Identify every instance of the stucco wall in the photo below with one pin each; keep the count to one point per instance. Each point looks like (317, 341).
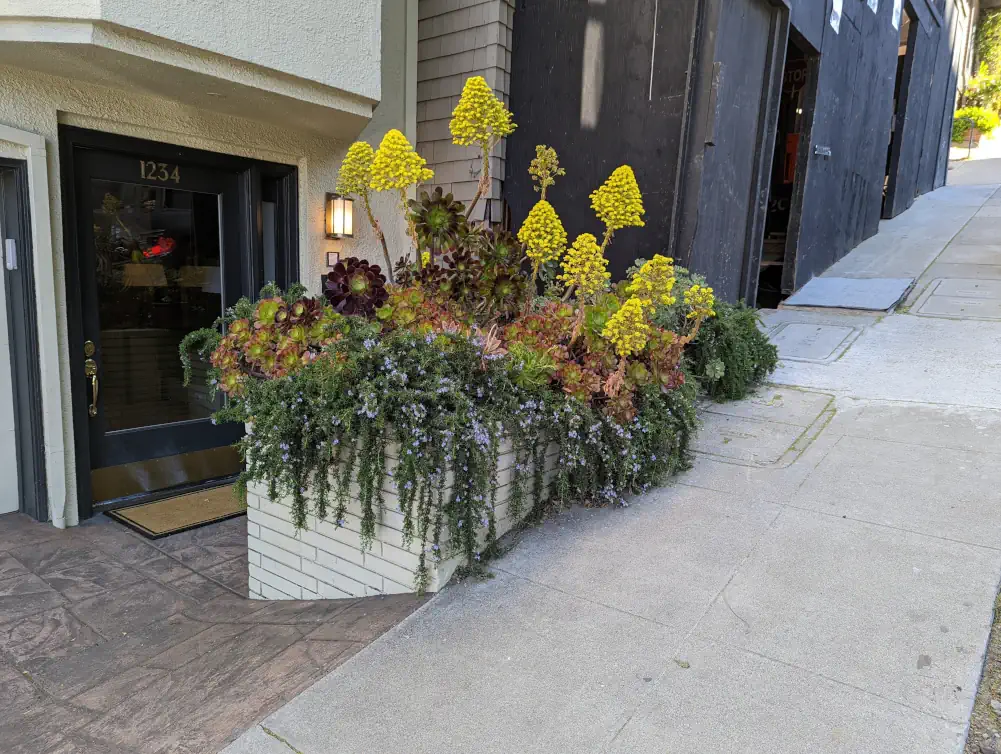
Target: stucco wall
(39, 103)
(333, 42)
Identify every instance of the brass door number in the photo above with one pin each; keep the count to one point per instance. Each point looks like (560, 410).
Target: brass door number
(151, 170)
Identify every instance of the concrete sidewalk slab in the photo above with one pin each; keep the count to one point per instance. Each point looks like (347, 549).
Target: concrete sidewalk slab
(580, 552)
(900, 615)
(503, 665)
(730, 700)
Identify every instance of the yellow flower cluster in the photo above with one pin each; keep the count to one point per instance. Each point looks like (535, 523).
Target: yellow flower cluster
(545, 168)
(628, 329)
(618, 202)
(654, 281)
(543, 234)
(425, 258)
(479, 116)
(356, 170)
(584, 266)
(701, 301)
(396, 165)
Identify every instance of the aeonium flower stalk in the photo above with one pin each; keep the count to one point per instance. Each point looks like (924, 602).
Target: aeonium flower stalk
(618, 202)
(355, 178)
(543, 236)
(483, 120)
(396, 167)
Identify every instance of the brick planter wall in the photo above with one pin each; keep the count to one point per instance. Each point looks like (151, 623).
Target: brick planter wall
(324, 561)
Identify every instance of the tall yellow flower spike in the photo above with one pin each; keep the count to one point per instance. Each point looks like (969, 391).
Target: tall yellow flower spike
(627, 329)
(618, 202)
(543, 234)
(479, 118)
(355, 177)
(584, 267)
(396, 165)
(356, 170)
(654, 281)
(701, 301)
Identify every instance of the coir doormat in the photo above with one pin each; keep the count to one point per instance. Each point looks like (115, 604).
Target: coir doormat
(176, 514)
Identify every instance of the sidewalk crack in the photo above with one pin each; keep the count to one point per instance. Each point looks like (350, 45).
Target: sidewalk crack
(280, 738)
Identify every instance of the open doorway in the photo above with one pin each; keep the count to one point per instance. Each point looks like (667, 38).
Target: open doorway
(905, 62)
(788, 177)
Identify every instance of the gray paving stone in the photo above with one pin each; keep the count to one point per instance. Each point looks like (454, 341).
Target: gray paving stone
(536, 671)
(937, 491)
(783, 405)
(580, 552)
(807, 341)
(871, 294)
(728, 700)
(965, 308)
(748, 441)
(867, 606)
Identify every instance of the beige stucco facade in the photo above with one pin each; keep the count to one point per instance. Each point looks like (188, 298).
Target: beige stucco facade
(293, 84)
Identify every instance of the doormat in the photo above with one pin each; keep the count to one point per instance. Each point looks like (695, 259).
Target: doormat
(866, 294)
(177, 514)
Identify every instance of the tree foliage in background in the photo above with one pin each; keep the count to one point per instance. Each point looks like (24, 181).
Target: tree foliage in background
(988, 41)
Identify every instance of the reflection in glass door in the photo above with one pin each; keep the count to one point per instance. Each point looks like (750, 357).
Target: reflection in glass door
(158, 260)
(157, 264)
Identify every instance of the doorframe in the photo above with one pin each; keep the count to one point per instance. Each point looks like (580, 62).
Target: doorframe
(889, 208)
(26, 377)
(803, 160)
(761, 182)
(249, 171)
(700, 123)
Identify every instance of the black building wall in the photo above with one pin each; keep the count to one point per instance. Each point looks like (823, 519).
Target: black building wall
(631, 125)
(705, 202)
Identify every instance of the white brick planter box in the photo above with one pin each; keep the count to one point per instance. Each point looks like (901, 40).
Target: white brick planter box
(325, 561)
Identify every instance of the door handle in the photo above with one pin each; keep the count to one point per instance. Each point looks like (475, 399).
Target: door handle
(90, 369)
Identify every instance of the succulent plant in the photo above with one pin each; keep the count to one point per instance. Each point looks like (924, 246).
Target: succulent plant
(500, 247)
(502, 291)
(356, 287)
(462, 275)
(438, 218)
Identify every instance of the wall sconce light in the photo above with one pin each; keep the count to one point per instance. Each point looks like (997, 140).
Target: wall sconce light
(339, 217)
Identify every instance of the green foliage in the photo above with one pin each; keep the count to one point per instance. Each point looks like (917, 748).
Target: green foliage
(441, 405)
(731, 355)
(988, 41)
(983, 120)
(983, 90)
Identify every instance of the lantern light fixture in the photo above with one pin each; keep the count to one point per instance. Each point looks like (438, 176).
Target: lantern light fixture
(339, 217)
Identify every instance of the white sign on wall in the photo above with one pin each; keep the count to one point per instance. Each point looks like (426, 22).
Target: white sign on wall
(874, 6)
(836, 16)
(898, 11)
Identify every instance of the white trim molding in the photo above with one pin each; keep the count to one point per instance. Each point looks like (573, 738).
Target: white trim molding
(54, 411)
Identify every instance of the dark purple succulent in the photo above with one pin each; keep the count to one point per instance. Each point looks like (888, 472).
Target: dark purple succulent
(356, 287)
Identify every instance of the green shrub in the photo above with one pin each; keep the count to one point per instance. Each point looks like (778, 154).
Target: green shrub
(983, 90)
(731, 355)
(983, 120)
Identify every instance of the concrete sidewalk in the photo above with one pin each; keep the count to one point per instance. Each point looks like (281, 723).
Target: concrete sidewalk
(822, 580)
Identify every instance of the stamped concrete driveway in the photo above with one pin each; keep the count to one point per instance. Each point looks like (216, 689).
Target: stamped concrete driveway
(112, 644)
(822, 580)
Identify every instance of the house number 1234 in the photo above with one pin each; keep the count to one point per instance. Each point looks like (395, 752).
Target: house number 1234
(159, 171)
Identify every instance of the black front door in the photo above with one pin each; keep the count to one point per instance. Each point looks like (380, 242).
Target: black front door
(165, 240)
